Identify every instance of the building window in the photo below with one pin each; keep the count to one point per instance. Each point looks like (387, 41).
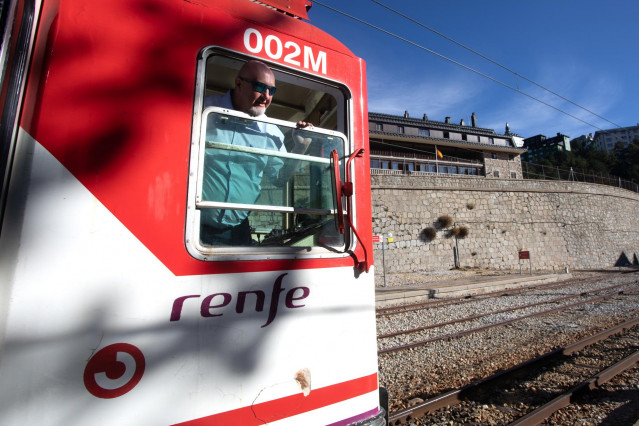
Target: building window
(374, 163)
(400, 129)
(446, 135)
(494, 156)
(379, 126)
(513, 175)
(424, 132)
(496, 173)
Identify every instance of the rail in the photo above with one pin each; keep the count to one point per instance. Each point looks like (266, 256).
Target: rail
(530, 171)
(457, 396)
(546, 172)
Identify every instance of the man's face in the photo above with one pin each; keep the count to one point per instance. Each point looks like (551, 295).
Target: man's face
(247, 100)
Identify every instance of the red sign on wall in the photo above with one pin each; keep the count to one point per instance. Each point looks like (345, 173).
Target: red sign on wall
(524, 255)
(377, 238)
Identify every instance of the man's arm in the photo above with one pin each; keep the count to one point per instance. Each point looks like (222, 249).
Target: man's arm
(301, 145)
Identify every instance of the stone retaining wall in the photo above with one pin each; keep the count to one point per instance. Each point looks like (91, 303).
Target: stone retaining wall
(562, 224)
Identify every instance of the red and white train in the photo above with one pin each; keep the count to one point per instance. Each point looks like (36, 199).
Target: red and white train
(113, 309)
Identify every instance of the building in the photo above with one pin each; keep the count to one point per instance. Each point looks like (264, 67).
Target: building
(405, 145)
(582, 140)
(540, 147)
(605, 140)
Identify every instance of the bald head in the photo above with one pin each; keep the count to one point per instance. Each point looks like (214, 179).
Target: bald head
(246, 99)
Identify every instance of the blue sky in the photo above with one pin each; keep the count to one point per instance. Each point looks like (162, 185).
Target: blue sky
(584, 50)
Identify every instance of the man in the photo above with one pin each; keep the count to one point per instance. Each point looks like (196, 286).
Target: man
(236, 176)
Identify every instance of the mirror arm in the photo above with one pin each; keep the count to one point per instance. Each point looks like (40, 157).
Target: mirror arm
(347, 190)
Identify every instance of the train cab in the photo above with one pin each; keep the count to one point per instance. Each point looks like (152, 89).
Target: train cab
(165, 257)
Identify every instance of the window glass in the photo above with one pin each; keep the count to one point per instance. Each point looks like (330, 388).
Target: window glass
(252, 192)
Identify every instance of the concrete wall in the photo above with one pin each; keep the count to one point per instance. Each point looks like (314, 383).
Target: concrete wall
(561, 224)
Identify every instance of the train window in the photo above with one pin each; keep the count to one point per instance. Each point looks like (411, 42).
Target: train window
(253, 193)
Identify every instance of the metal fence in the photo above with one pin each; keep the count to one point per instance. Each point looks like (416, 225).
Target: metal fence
(539, 171)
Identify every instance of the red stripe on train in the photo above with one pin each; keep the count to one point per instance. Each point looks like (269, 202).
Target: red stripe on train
(282, 408)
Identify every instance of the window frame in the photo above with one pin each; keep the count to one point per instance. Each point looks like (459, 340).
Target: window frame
(221, 253)
(16, 46)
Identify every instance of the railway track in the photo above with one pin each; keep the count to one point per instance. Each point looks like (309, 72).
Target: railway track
(607, 294)
(437, 348)
(535, 390)
(400, 309)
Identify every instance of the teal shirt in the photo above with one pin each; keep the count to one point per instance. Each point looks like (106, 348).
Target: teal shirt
(236, 177)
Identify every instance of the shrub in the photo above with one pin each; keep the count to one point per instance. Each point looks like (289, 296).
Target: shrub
(463, 232)
(445, 221)
(428, 234)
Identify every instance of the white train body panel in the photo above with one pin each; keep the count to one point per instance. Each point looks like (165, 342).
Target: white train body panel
(81, 282)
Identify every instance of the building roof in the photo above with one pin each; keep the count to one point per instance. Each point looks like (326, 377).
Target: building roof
(438, 125)
(616, 130)
(431, 124)
(445, 142)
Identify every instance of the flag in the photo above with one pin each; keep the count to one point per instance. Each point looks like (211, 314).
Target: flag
(439, 153)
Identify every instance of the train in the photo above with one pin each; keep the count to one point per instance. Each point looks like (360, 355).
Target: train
(115, 307)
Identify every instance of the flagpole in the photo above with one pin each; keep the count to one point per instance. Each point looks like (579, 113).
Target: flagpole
(436, 165)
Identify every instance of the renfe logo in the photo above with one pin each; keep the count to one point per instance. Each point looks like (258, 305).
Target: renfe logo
(213, 304)
(114, 370)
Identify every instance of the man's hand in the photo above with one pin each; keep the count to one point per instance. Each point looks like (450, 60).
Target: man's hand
(301, 142)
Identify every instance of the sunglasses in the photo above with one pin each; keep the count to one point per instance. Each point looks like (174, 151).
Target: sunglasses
(260, 87)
